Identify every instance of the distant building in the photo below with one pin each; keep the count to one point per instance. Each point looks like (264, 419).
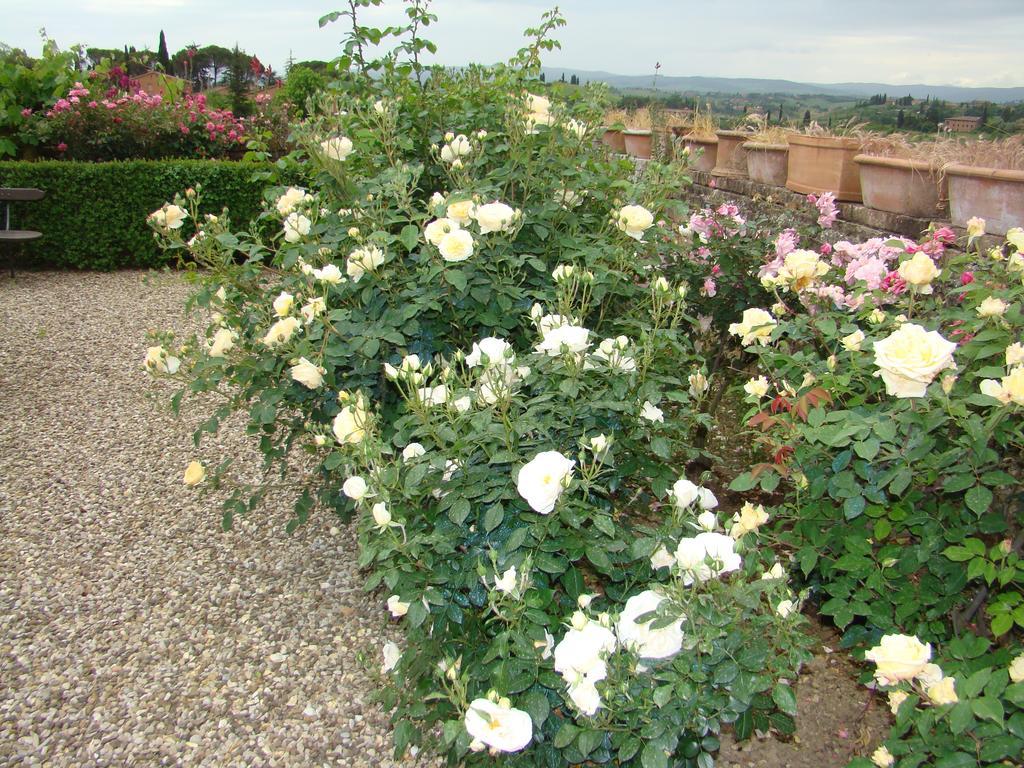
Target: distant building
(157, 82)
(962, 123)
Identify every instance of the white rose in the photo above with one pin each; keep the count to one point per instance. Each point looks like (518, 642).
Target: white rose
(684, 493)
(882, 757)
(853, 342)
(290, 200)
(381, 515)
(350, 425)
(756, 326)
(651, 412)
(542, 480)
(283, 304)
(706, 498)
(329, 273)
(1016, 669)
(585, 697)
(507, 581)
(494, 217)
(910, 358)
(397, 607)
(707, 521)
(581, 652)
(757, 387)
(392, 655)
(490, 352)
(785, 608)
(634, 220)
(431, 396)
(564, 338)
(775, 572)
(461, 212)
(943, 692)
(363, 260)
(355, 488)
(337, 148)
(438, 228)
(501, 728)
(456, 246)
(648, 643)
(896, 698)
(223, 342)
(312, 309)
(899, 657)
(975, 227)
(462, 404)
(281, 331)
(1015, 354)
(705, 556)
(296, 226)
(919, 271)
(174, 216)
(307, 373)
(992, 307)
(662, 558)
(413, 451)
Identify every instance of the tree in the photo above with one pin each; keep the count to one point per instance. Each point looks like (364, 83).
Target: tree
(542, 78)
(302, 83)
(238, 81)
(807, 117)
(161, 53)
(900, 119)
(780, 113)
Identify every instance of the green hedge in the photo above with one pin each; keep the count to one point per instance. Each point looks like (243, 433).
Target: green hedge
(94, 214)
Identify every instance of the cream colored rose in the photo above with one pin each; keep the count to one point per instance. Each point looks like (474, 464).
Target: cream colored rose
(748, 519)
(648, 643)
(943, 692)
(159, 361)
(542, 480)
(1009, 390)
(501, 728)
(882, 757)
(910, 358)
(992, 307)
(392, 655)
(413, 451)
(877, 316)
(290, 200)
(456, 246)
(975, 227)
(755, 327)
(1015, 354)
(312, 309)
(397, 608)
(757, 387)
(785, 608)
(494, 217)
(852, 342)
(899, 657)
(195, 473)
(919, 271)
(308, 373)
(281, 331)
(223, 342)
(1016, 669)
(438, 228)
(461, 212)
(564, 338)
(337, 148)
(329, 273)
(634, 220)
(800, 269)
(363, 260)
(283, 304)
(651, 412)
(350, 424)
(896, 698)
(296, 227)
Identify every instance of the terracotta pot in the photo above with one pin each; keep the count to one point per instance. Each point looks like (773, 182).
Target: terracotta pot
(638, 143)
(708, 153)
(680, 131)
(824, 164)
(614, 140)
(730, 160)
(995, 195)
(897, 185)
(767, 163)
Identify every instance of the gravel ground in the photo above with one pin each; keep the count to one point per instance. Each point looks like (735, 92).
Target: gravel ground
(133, 632)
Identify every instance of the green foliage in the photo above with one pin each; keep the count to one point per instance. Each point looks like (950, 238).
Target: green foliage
(29, 84)
(93, 215)
(301, 86)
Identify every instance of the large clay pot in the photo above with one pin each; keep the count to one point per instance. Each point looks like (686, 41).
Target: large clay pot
(767, 163)
(704, 152)
(614, 140)
(638, 143)
(995, 195)
(897, 185)
(730, 160)
(824, 164)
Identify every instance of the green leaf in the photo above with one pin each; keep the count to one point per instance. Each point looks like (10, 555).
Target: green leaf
(588, 741)
(459, 511)
(978, 499)
(957, 760)
(961, 717)
(867, 449)
(493, 517)
(744, 725)
(566, 735)
(536, 704)
(653, 756)
(743, 482)
(410, 236)
(784, 698)
(988, 708)
(854, 507)
(455, 278)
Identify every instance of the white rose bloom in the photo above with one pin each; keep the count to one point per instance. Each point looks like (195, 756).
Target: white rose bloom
(397, 607)
(223, 342)
(461, 212)
(291, 199)
(174, 216)
(756, 326)
(413, 451)
(296, 227)
(355, 488)
(919, 271)
(381, 515)
(564, 338)
(651, 412)
(349, 425)
(992, 307)
(312, 309)
(882, 757)
(648, 643)
(662, 558)
(281, 331)
(542, 480)
(853, 342)
(706, 498)
(1016, 669)
(930, 675)
(494, 217)
(456, 246)
(337, 148)
(581, 652)
(501, 728)
(757, 387)
(634, 220)
(706, 555)
(438, 228)
(707, 521)
(462, 404)
(910, 358)
(431, 396)
(363, 260)
(1015, 354)
(490, 352)
(943, 692)
(307, 373)
(507, 581)
(684, 493)
(899, 657)
(329, 273)
(775, 572)
(283, 304)
(785, 608)
(585, 697)
(392, 655)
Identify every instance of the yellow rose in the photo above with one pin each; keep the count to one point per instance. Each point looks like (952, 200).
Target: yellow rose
(460, 212)
(899, 657)
(800, 268)
(195, 473)
(1015, 354)
(749, 518)
(910, 357)
(852, 342)
(882, 757)
(1017, 669)
(943, 692)
(896, 698)
(634, 220)
(756, 326)
(991, 307)
(1015, 237)
(281, 331)
(350, 424)
(283, 304)
(975, 228)
(919, 271)
(1009, 390)
(757, 387)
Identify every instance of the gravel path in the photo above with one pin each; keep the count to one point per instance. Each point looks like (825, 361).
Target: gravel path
(133, 632)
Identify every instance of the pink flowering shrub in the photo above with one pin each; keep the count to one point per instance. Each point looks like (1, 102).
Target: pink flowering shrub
(96, 123)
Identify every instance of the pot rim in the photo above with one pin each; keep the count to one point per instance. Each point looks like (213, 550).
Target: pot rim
(700, 139)
(898, 162)
(757, 146)
(732, 134)
(636, 132)
(980, 172)
(829, 142)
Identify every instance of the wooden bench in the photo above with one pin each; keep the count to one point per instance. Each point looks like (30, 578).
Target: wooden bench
(15, 238)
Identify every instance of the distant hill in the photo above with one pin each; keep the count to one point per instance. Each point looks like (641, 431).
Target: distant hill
(746, 85)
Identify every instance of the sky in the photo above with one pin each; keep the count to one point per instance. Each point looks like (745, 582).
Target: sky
(937, 42)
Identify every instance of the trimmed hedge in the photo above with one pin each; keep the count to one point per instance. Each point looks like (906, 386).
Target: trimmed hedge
(94, 214)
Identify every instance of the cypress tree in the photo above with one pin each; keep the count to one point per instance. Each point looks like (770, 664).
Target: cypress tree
(161, 53)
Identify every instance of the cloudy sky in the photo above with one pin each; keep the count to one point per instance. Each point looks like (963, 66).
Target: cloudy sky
(941, 42)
